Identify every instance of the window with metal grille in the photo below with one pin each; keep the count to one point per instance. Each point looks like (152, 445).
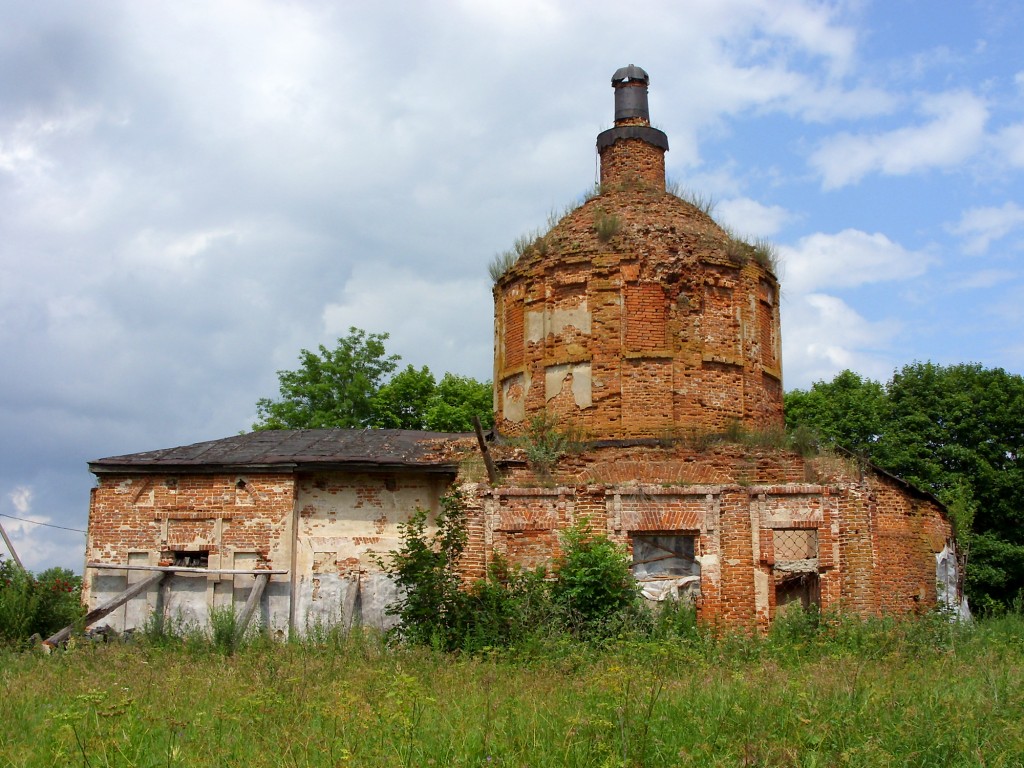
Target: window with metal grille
(795, 544)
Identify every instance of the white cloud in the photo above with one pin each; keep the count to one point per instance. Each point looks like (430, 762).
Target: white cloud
(444, 323)
(750, 218)
(1009, 142)
(847, 259)
(954, 133)
(986, 278)
(980, 226)
(824, 335)
(21, 498)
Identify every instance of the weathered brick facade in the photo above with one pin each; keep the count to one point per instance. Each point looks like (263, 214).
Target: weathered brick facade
(769, 527)
(636, 317)
(638, 322)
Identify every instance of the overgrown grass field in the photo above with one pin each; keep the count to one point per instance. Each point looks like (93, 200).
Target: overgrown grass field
(842, 693)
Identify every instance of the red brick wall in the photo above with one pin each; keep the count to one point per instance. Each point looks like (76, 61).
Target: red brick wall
(220, 514)
(662, 290)
(876, 541)
(633, 161)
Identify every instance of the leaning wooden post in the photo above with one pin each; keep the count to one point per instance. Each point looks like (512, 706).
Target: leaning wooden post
(250, 605)
(109, 607)
(492, 471)
(10, 547)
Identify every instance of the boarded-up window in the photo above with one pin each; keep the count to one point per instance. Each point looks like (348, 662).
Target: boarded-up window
(664, 555)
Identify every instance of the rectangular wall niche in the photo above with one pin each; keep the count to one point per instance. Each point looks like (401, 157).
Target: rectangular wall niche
(191, 558)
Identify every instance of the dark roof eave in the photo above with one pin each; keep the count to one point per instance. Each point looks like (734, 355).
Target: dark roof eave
(206, 468)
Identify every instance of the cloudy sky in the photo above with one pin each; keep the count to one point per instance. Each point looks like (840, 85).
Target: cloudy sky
(191, 192)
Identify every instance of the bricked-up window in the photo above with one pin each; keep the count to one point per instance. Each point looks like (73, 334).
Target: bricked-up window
(664, 555)
(766, 324)
(795, 544)
(515, 333)
(646, 317)
(191, 559)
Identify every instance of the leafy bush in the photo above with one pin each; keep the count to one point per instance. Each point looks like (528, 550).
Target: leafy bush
(593, 583)
(432, 607)
(508, 608)
(37, 604)
(545, 442)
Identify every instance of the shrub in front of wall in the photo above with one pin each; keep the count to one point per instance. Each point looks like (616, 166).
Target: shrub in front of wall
(593, 584)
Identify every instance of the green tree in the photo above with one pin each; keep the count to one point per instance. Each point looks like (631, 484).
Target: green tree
(456, 400)
(846, 411)
(958, 431)
(404, 401)
(955, 431)
(334, 388)
(349, 386)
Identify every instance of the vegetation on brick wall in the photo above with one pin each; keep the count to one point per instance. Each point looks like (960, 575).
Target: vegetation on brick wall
(546, 441)
(590, 591)
(355, 385)
(702, 202)
(956, 431)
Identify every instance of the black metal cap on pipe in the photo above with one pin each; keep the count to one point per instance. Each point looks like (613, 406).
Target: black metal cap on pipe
(630, 84)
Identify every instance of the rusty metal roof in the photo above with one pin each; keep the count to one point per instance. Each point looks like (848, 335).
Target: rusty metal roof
(289, 450)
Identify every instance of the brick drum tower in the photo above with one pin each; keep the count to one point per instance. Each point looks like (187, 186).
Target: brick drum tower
(636, 315)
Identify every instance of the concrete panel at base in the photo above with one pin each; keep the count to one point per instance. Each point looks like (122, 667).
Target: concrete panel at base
(328, 600)
(187, 604)
(106, 585)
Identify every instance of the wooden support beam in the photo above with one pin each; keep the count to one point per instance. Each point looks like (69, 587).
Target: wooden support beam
(10, 547)
(185, 569)
(108, 607)
(492, 471)
(251, 604)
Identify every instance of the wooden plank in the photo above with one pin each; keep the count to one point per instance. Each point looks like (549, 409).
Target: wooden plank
(108, 607)
(10, 547)
(492, 471)
(348, 607)
(250, 604)
(185, 569)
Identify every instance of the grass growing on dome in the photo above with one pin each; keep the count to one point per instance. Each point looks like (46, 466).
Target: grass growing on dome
(760, 251)
(702, 202)
(502, 262)
(607, 225)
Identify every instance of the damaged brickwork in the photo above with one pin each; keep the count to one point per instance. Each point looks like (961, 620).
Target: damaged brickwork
(635, 316)
(638, 325)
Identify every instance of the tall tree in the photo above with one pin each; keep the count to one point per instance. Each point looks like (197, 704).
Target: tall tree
(956, 431)
(846, 411)
(334, 388)
(456, 401)
(349, 386)
(403, 402)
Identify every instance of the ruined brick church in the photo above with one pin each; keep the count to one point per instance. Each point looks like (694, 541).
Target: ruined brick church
(636, 324)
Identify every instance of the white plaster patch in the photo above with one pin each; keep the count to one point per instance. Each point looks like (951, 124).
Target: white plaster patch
(513, 397)
(555, 321)
(554, 381)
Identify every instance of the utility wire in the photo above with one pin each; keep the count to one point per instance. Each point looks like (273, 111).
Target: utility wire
(48, 525)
